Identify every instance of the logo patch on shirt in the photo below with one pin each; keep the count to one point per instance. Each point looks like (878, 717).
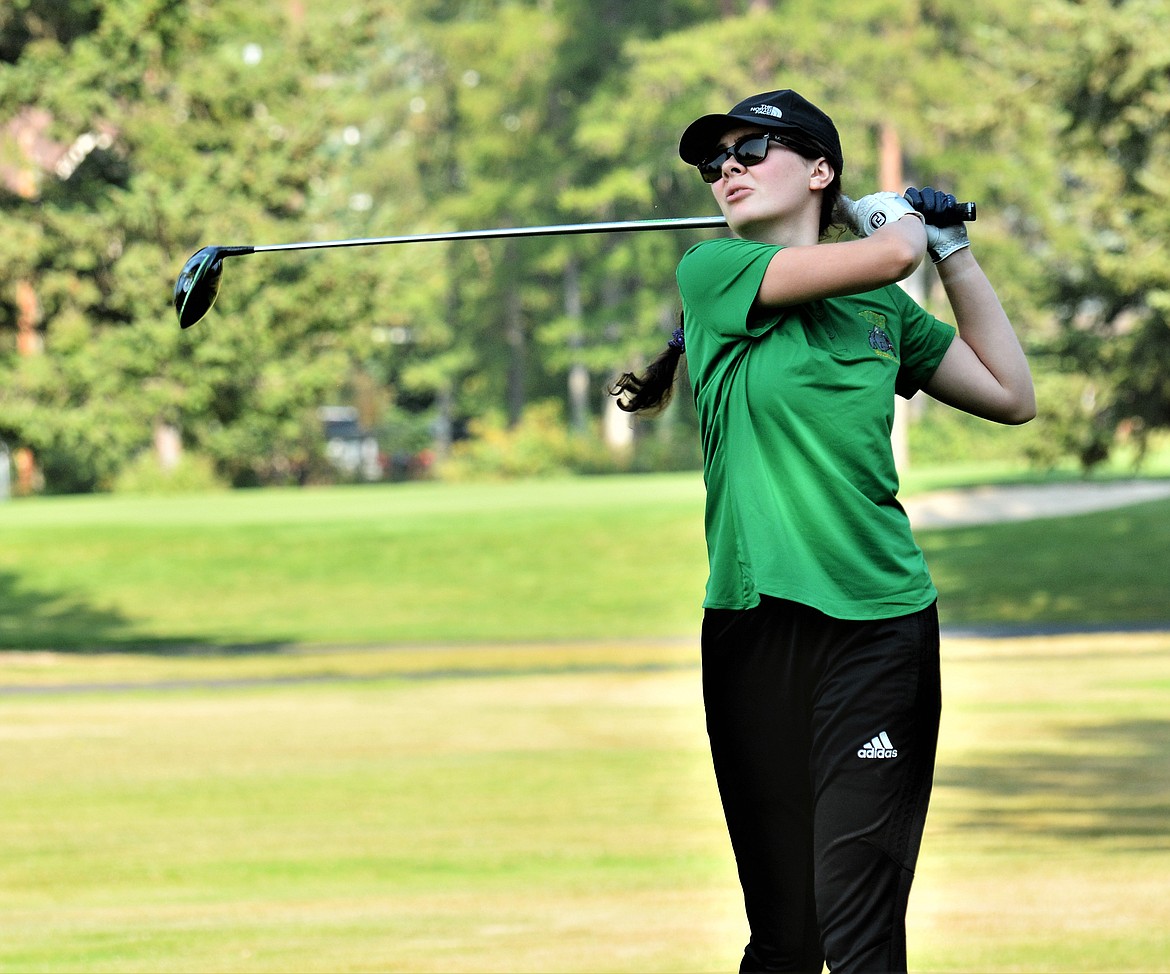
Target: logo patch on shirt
(879, 341)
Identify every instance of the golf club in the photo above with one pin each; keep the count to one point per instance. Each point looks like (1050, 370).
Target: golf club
(951, 216)
(198, 283)
(199, 280)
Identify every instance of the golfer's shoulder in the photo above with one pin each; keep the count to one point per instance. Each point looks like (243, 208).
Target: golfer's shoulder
(722, 257)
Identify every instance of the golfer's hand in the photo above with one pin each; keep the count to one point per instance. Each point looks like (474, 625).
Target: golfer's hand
(870, 213)
(941, 242)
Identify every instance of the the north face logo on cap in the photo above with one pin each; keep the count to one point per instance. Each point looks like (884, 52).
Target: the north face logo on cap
(767, 110)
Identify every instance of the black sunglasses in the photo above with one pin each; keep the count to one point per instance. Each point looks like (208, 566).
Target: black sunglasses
(748, 151)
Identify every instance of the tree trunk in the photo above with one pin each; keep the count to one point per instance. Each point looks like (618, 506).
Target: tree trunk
(517, 355)
(578, 373)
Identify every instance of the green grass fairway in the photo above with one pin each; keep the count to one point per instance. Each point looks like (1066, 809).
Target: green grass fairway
(517, 819)
(395, 564)
(541, 809)
(579, 559)
(458, 728)
(1092, 569)
(1048, 846)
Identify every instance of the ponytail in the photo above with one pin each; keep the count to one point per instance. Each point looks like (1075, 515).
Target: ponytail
(654, 387)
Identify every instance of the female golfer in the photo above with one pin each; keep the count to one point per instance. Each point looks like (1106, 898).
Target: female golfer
(820, 637)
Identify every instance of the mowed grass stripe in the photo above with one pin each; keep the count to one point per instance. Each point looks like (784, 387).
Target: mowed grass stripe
(563, 822)
(1091, 569)
(418, 563)
(400, 826)
(579, 559)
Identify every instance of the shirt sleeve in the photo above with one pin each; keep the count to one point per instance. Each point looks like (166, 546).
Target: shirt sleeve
(925, 340)
(718, 281)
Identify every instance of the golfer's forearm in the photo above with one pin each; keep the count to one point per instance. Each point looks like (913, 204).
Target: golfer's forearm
(828, 270)
(985, 327)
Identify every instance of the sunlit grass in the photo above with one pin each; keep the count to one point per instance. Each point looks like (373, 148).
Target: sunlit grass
(578, 559)
(1047, 846)
(400, 564)
(432, 728)
(544, 809)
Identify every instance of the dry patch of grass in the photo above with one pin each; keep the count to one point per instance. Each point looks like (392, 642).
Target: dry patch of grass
(542, 808)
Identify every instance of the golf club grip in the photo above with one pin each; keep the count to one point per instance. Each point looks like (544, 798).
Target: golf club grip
(959, 213)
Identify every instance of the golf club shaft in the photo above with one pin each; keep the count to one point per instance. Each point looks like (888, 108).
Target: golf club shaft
(963, 211)
(684, 223)
(198, 282)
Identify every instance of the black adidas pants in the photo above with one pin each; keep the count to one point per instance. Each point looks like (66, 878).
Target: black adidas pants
(823, 735)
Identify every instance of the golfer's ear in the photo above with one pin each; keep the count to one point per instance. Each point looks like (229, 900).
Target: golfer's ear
(822, 174)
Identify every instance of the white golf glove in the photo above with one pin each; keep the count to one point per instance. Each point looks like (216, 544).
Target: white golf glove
(937, 206)
(870, 213)
(941, 242)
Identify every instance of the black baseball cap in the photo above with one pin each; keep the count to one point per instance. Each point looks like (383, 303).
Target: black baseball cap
(781, 111)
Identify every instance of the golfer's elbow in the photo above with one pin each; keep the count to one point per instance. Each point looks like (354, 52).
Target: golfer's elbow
(1018, 408)
(1024, 414)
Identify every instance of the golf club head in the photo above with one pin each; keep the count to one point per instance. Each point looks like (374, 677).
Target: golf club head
(198, 283)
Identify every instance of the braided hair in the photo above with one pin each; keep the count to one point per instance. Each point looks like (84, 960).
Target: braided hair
(655, 386)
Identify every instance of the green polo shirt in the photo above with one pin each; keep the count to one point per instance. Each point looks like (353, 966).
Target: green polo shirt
(796, 408)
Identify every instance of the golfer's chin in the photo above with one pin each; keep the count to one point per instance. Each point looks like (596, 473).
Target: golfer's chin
(747, 224)
(746, 212)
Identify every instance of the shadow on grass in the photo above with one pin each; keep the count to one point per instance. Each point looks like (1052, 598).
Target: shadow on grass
(1121, 791)
(42, 619)
(1092, 571)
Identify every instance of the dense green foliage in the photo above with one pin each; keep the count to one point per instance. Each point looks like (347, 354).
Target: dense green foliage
(132, 132)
